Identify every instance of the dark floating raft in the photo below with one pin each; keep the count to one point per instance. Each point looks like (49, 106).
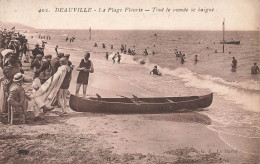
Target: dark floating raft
(139, 105)
(231, 42)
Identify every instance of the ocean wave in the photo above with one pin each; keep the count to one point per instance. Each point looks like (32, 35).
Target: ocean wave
(229, 90)
(244, 93)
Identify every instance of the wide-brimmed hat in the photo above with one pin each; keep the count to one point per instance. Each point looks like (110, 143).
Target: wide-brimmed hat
(67, 55)
(18, 77)
(37, 45)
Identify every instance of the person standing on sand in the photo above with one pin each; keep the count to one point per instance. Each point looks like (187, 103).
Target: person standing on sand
(62, 94)
(85, 67)
(46, 69)
(55, 63)
(17, 97)
(36, 65)
(37, 51)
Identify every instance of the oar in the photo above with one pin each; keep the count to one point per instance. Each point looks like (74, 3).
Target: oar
(136, 103)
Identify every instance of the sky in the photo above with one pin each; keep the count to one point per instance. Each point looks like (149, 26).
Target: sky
(238, 14)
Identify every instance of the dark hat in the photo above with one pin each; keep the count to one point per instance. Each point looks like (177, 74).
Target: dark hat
(37, 45)
(60, 54)
(48, 56)
(18, 77)
(67, 55)
(63, 60)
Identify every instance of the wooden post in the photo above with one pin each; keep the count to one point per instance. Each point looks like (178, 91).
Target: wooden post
(224, 35)
(90, 33)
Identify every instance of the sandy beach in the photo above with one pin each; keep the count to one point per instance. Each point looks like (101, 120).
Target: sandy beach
(183, 137)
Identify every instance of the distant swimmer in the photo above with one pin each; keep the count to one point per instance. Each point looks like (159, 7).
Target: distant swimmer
(155, 71)
(112, 46)
(114, 57)
(103, 45)
(145, 52)
(196, 59)
(182, 58)
(106, 55)
(255, 69)
(133, 52)
(119, 58)
(234, 63)
(95, 45)
(56, 49)
(67, 39)
(142, 62)
(153, 53)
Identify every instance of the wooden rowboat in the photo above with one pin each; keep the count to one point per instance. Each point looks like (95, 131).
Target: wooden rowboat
(139, 105)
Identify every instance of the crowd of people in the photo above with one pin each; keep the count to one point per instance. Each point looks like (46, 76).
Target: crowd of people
(51, 79)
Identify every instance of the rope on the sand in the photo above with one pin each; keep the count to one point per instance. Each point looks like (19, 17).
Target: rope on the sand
(231, 133)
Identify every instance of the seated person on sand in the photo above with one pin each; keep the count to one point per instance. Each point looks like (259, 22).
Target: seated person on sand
(155, 71)
(255, 69)
(62, 94)
(18, 99)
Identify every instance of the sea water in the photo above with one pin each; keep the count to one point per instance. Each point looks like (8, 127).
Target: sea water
(236, 92)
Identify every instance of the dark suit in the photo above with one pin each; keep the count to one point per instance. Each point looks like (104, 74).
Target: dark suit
(37, 65)
(55, 65)
(37, 51)
(17, 97)
(45, 71)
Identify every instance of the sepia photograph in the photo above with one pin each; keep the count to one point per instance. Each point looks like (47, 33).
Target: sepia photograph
(128, 81)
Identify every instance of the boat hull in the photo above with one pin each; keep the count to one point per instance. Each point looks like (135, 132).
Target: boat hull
(145, 105)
